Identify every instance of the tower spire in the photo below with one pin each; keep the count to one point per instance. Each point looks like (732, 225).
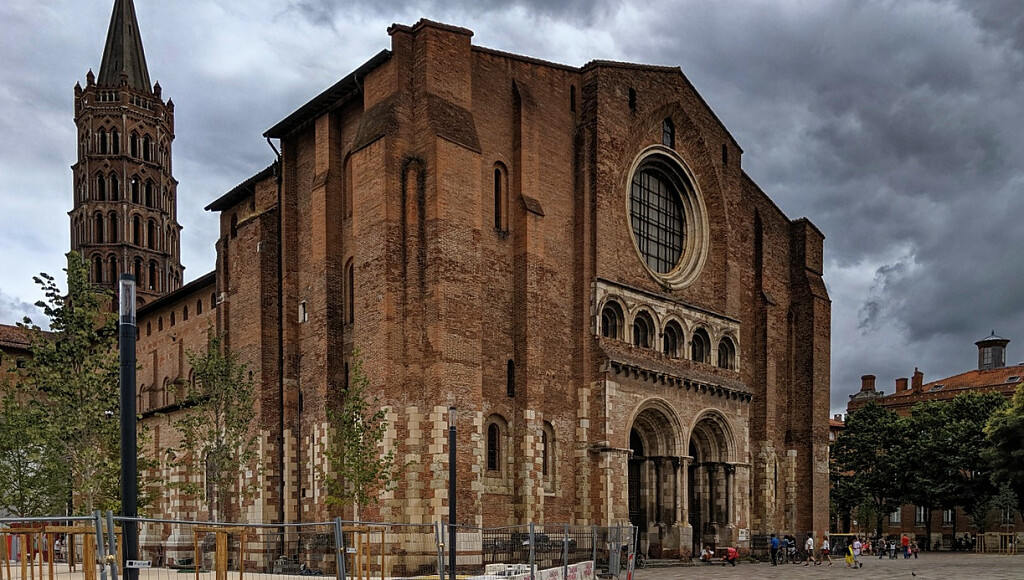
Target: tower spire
(123, 57)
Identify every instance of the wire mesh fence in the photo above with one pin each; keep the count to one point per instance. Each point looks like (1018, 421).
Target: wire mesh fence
(90, 548)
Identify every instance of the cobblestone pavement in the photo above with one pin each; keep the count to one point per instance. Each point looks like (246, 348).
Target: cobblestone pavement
(927, 567)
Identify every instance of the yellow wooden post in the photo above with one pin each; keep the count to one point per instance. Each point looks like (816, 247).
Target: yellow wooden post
(221, 556)
(198, 555)
(89, 556)
(6, 563)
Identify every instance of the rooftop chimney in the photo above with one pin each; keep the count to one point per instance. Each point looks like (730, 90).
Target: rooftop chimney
(901, 384)
(867, 383)
(918, 380)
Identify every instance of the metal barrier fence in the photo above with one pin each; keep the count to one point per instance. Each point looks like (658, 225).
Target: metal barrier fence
(77, 549)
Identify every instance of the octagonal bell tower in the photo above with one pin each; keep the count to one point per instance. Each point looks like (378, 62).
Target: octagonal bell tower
(124, 216)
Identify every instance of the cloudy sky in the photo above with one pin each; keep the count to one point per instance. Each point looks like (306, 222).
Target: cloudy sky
(895, 126)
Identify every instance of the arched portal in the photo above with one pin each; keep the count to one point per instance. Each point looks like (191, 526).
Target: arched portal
(711, 498)
(654, 476)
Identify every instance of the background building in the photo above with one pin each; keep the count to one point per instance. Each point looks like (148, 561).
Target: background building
(991, 376)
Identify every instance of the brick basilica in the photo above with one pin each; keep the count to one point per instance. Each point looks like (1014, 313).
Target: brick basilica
(573, 257)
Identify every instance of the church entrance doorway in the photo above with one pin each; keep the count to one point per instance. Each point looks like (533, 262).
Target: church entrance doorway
(653, 474)
(711, 478)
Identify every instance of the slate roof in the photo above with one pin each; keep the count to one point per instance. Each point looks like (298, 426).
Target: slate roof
(123, 51)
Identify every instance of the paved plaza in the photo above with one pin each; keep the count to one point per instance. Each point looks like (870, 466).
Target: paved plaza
(926, 567)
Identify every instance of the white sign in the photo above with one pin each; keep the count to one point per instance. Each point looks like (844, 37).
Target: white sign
(139, 564)
(744, 534)
(350, 550)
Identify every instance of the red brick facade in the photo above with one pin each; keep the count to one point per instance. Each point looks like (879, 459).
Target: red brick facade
(461, 217)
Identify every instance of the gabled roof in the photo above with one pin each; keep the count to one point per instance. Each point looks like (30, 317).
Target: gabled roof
(970, 380)
(172, 297)
(123, 52)
(337, 94)
(240, 191)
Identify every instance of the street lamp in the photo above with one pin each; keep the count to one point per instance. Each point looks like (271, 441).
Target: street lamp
(129, 452)
(451, 493)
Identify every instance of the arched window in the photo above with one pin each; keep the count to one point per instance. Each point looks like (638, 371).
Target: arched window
(135, 186)
(500, 198)
(115, 142)
(160, 323)
(493, 447)
(115, 188)
(213, 300)
(134, 144)
(97, 270)
(112, 220)
(101, 139)
(114, 273)
(184, 313)
(101, 188)
(172, 318)
(672, 338)
(611, 320)
(97, 235)
(700, 346)
(151, 235)
(548, 456)
(149, 328)
(138, 273)
(149, 194)
(199, 307)
(726, 354)
(151, 279)
(146, 144)
(643, 328)
(668, 133)
(234, 225)
(350, 291)
(137, 230)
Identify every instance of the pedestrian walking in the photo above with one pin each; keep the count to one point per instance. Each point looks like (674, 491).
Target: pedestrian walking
(826, 550)
(775, 550)
(809, 548)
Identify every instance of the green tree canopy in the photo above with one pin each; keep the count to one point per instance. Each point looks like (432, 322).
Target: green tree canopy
(74, 376)
(948, 467)
(1004, 434)
(870, 458)
(218, 433)
(359, 466)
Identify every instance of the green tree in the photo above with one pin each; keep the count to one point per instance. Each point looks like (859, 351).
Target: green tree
(1004, 434)
(970, 471)
(870, 455)
(217, 429)
(32, 483)
(73, 375)
(359, 467)
(929, 479)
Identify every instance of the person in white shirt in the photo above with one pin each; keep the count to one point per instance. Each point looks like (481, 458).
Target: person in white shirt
(809, 548)
(856, 553)
(826, 550)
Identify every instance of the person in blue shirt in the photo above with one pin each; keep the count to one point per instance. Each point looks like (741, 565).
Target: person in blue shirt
(775, 550)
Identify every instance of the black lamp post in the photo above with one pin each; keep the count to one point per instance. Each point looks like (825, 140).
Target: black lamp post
(451, 493)
(129, 452)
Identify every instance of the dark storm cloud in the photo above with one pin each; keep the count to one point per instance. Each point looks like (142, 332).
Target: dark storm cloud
(582, 11)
